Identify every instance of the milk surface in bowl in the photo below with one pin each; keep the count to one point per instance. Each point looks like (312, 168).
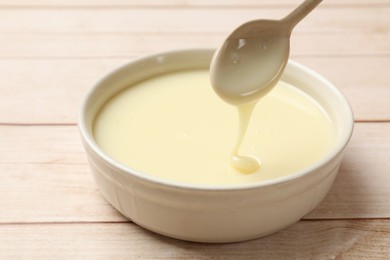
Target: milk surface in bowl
(174, 127)
(167, 168)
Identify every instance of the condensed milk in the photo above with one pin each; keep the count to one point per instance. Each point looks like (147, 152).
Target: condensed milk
(175, 127)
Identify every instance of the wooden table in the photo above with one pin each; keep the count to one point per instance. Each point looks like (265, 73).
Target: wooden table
(52, 52)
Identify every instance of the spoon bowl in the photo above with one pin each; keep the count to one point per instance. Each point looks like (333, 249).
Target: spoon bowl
(252, 59)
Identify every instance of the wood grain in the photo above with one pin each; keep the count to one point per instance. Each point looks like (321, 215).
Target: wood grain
(42, 91)
(338, 239)
(185, 20)
(45, 177)
(178, 3)
(121, 45)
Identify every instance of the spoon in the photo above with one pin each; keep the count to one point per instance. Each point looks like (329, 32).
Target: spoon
(252, 59)
(249, 64)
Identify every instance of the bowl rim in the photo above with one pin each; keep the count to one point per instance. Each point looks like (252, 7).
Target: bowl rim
(90, 142)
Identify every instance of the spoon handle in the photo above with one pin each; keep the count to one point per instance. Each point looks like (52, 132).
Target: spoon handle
(300, 12)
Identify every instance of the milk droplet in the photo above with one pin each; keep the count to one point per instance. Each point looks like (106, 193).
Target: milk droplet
(235, 58)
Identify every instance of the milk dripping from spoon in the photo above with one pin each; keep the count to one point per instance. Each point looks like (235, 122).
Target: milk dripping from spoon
(249, 64)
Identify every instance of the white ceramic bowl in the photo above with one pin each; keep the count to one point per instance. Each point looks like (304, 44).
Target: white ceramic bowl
(212, 214)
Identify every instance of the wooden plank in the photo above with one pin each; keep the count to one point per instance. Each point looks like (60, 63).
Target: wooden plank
(45, 178)
(48, 91)
(108, 45)
(347, 239)
(363, 80)
(176, 3)
(175, 20)
(51, 192)
(51, 91)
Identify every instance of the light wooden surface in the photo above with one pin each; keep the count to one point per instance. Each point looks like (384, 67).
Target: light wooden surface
(51, 53)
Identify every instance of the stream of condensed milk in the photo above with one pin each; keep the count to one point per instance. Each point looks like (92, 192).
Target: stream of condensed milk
(244, 164)
(159, 127)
